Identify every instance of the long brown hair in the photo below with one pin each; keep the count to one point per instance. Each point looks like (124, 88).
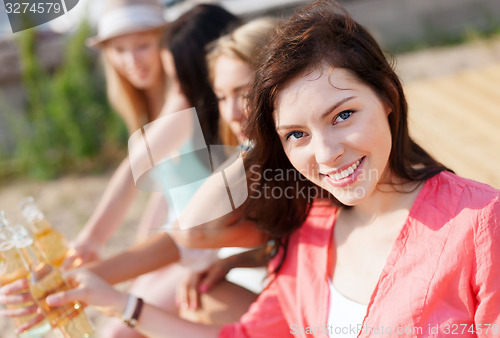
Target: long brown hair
(188, 38)
(322, 33)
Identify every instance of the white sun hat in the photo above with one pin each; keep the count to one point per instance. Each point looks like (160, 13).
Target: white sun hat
(121, 17)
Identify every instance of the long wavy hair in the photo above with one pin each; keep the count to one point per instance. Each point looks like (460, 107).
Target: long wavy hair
(322, 33)
(188, 38)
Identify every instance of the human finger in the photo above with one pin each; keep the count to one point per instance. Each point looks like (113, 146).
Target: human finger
(14, 287)
(65, 297)
(18, 298)
(181, 298)
(214, 275)
(30, 324)
(208, 282)
(72, 259)
(193, 294)
(19, 312)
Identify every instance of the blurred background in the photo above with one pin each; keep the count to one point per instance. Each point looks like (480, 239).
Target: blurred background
(60, 140)
(55, 119)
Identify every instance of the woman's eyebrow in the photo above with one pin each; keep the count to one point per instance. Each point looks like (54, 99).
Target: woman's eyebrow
(323, 115)
(336, 105)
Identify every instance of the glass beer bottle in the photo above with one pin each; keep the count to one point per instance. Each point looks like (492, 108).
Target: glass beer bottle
(12, 268)
(48, 240)
(44, 279)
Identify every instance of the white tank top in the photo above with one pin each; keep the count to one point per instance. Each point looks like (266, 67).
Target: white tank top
(345, 316)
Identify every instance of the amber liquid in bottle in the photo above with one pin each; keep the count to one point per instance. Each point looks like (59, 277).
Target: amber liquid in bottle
(45, 279)
(49, 241)
(12, 268)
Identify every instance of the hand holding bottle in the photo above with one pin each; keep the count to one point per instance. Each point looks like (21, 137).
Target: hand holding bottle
(90, 289)
(20, 304)
(81, 251)
(17, 293)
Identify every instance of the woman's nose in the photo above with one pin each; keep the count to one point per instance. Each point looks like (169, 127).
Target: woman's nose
(131, 58)
(327, 149)
(234, 110)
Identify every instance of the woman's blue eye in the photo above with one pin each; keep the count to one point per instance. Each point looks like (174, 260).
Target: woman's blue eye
(295, 134)
(343, 116)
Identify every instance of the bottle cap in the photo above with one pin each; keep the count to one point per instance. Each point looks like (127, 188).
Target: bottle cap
(6, 235)
(22, 236)
(30, 210)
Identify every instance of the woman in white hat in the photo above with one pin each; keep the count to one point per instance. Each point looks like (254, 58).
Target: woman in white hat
(129, 33)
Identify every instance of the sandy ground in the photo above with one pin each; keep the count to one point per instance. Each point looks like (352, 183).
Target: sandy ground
(69, 201)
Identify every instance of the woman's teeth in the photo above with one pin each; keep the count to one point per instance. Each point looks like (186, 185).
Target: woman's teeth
(346, 172)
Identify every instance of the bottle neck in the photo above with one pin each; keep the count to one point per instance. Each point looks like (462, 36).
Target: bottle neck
(33, 260)
(35, 217)
(39, 225)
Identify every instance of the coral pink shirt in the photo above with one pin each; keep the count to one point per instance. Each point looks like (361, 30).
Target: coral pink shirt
(441, 279)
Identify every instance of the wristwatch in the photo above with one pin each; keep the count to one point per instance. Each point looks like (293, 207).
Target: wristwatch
(132, 310)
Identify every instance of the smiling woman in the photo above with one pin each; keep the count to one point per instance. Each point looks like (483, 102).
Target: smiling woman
(403, 242)
(333, 141)
(131, 49)
(417, 254)
(135, 56)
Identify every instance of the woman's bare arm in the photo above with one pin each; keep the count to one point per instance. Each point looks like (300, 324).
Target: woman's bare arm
(154, 253)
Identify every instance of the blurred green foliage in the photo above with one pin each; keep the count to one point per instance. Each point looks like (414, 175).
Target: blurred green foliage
(68, 125)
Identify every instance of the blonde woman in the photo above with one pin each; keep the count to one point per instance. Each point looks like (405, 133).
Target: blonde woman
(129, 35)
(232, 62)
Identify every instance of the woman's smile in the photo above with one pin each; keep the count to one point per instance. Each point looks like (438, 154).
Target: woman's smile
(344, 177)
